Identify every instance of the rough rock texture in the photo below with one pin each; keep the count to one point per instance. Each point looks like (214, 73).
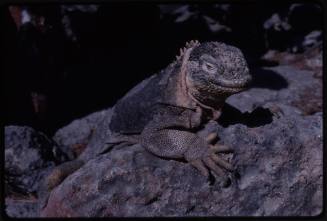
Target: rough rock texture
(21, 208)
(99, 137)
(310, 60)
(279, 172)
(278, 161)
(282, 85)
(79, 133)
(280, 28)
(29, 156)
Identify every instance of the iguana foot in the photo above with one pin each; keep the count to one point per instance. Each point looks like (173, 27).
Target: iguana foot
(210, 161)
(211, 137)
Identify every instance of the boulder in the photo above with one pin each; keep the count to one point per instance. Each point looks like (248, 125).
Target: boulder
(19, 208)
(29, 156)
(82, 133)
(278, 173)
(277, 159)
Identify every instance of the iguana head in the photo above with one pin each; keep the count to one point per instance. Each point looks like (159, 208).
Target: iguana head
(215, 71)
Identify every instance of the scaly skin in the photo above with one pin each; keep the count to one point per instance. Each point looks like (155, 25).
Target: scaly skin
(164, 112)
(186, 95)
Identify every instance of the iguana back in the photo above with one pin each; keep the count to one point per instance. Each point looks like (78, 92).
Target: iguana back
(137, 107)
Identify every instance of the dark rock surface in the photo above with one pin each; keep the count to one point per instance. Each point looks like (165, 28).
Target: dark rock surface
(281, 85)
(22, 208)
(81, 134)
(278, 161)
(279, 172)
(275, 127)
(29, 156)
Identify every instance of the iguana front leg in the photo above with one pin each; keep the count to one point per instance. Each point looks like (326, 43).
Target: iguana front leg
(171, 136)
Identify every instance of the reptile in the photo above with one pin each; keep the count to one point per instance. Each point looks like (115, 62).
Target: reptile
(164, 112)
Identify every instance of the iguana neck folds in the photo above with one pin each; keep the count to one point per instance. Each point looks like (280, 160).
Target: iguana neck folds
(184, 85)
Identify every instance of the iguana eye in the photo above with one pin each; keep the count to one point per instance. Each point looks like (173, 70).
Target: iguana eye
(208, 67)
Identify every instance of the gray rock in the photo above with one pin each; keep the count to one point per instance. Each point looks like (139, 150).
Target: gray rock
(277, 160)
(28, 156)
(277, 23)
(312, 39)
(276, 86)
(278, 173)
(21, 208)
(100, 136)
(82, 133)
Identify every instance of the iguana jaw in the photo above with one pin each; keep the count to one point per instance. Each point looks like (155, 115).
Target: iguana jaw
(231, 87)
(230, 90)
(213, 95)
(201, 99)
(185, 84)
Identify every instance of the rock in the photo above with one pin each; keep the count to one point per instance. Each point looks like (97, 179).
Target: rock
(21, 208)
(277, 23)
(310, 60)
(277, 159)
(100, 136)
(276, 86)
(278, 173)
(312, 39)
(275, 130)
(77, 135)
(294, 28)
(28, 156)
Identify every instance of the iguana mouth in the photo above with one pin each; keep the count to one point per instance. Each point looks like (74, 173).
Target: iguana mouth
(231, 89)
(239, 83)
(233, 85)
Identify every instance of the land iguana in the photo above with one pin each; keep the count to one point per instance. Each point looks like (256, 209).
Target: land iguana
(163, 112)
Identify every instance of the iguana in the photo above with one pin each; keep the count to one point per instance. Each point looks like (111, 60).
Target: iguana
(163, 112)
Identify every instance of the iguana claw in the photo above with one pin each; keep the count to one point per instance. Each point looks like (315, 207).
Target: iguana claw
(210, 160)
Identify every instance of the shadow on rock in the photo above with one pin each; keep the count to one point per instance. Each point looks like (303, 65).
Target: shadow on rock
(258, 117)
(279, 168)
(263, 78)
